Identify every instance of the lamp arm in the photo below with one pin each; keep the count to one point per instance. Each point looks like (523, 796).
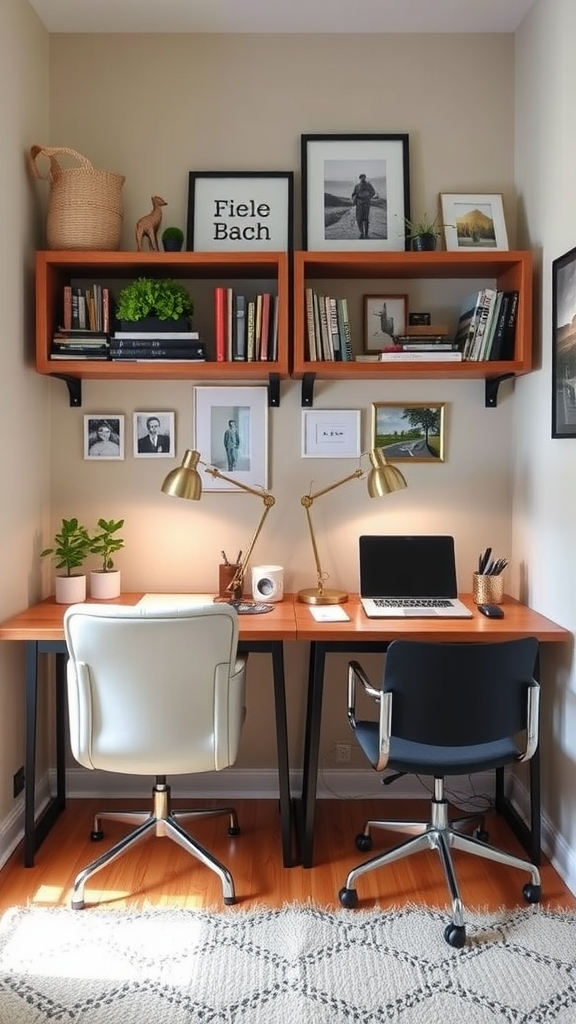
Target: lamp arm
(307, 501)
(269, 502)
(260, 493)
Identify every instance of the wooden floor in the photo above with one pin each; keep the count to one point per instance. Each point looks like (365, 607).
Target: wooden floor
(157, 872)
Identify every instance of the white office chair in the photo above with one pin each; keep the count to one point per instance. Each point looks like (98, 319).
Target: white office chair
(155, 692)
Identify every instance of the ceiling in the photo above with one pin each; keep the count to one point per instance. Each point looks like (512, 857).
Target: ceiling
(273, 16)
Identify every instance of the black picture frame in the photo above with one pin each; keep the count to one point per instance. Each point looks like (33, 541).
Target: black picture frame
(331, 167)
(239, 211)
(564, 345)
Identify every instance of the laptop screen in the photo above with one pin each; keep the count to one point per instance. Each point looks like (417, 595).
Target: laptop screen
(414, 566)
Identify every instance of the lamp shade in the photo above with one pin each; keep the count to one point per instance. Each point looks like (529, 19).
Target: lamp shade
(185, 482)
(383, 478)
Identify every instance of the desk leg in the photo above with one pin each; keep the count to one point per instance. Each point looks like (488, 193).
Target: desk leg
(36, 831)
(282, 744)
(317, 661)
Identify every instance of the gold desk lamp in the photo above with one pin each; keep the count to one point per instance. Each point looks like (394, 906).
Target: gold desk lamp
(186, 482)
(381, 479)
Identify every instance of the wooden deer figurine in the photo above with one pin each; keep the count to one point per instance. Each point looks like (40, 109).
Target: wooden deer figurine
(148, 226)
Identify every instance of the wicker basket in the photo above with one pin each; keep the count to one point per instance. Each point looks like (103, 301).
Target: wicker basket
(84, 204)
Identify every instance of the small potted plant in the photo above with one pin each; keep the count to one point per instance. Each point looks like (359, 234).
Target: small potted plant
(172, 239)
(154, 303)
(70, 549)
(105, 582)
(423, 234)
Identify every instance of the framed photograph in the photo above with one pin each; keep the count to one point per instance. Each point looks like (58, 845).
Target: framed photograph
(355, 192)
(104, 436)
(384, 316)
(473, 221)
(154, 435)
(231, 433)
(409, 431)
(564, 345)
(236, 211)
(331, 434)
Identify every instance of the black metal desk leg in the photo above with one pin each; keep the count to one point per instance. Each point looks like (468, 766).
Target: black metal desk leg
(30, 752)
(311, 750)
(61, 660)
(282, 746)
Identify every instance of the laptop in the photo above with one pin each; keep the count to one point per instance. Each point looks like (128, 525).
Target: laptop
(409, 577)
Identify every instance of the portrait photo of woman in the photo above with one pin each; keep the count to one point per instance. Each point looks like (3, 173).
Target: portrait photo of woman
(104, 437)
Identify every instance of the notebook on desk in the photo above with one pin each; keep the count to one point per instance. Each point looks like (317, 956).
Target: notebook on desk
(409, 577)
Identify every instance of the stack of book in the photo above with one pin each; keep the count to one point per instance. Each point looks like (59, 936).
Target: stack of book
(487, 325)
(79, 344)
(423, 343)
(86, 308)
(245, 329)
(156, 346)
(328, 327)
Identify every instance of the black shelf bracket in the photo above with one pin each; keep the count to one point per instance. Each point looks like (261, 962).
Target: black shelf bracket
(492, 384)
(74, 385)
(273, 390)
(308, 390)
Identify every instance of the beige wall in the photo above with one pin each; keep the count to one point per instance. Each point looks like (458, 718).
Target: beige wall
(154, 108)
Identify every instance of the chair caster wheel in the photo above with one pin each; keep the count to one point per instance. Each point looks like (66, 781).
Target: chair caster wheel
(96, 835)
(532, 893)
(482, 835)
(455, 935)
(234, 831)
(348, 898)
(229, 901)
(363, 842)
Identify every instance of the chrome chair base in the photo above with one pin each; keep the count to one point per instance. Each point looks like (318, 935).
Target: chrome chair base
(164, 822)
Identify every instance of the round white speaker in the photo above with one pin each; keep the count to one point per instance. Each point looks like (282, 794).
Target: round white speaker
(267, 583)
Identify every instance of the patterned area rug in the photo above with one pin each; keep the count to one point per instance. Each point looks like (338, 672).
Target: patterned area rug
(298, 965)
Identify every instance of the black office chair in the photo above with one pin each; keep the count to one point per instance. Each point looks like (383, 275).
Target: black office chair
(447, 709)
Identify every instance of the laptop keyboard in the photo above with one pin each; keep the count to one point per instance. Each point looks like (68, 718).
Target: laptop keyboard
(429, 602)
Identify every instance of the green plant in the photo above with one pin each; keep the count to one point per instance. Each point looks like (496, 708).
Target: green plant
(71, 546)
(161, 297)
(424, 226)
(174, 234)
(105, 543)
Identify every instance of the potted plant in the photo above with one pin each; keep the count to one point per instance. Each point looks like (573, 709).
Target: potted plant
(105, 582)
(154, 303)
(172, 239)
(70, 549)
(423, 234)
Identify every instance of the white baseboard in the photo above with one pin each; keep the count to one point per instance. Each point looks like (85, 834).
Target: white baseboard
(262, 784)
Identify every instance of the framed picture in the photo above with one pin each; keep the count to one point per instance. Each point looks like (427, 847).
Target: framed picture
(238, 211)
(154, 435)
(231, 433)
(564, 345)
(473, 221)
(331, 433)
(355, 192)
(104, 436)
(409, 431)
(384, 316)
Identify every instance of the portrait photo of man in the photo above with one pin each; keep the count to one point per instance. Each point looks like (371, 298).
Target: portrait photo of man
(154, 435)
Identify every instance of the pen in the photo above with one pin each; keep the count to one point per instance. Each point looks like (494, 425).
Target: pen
(239, 557)
(226, 562)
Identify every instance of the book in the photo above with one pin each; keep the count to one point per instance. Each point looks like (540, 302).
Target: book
(158, 335)
(76, 356)
(158, 352)
(310, 325)
(335, 341)
(251, 330)
(153, 342)
(469, 314)
(67, 307)
(347, 353)
(265, 326)
(414, 357)
(488, 300)
(239, 339)
(327, 350)
(434, 346)
(220, 322)
(182, 358)
(509, 339)
(274, 330)
(229, 323)
(500, 327)
(424, 330)
(491, 327)
(425, 339)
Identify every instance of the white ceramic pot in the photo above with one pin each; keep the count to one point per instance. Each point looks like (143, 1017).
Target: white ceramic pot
(104, 585)
(70, 589)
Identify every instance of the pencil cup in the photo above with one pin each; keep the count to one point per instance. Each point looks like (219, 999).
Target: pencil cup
(226, 573)
(487, 589)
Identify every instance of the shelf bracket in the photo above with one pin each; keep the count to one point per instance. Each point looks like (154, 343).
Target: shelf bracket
(273, 390)
(308, 390)
(492, 385)
(74, 385)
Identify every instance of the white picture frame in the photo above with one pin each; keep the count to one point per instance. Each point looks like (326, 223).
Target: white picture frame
(104, 436)
(240, 211)
(146, 426)
(331, 433)
(214, 408)
(473, 221)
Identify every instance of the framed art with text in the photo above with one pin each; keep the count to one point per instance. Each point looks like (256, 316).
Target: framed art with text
(409, 431)
(236, 211)
(564, 345)
(355, 192)
(473, 221)
(231, 434)
(330, 433)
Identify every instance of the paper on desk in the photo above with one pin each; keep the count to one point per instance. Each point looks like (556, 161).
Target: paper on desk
(329, 613)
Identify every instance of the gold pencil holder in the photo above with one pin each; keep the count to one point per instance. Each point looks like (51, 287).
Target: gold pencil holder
(487, 589)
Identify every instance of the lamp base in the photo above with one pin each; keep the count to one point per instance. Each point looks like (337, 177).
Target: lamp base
(325, 596)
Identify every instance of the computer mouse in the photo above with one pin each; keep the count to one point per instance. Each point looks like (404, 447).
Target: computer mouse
(491, 611)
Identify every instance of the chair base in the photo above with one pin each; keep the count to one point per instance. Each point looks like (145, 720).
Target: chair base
(438, 834)
(164, 822)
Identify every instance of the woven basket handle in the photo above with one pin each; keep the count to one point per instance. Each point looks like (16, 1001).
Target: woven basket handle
(51, 154)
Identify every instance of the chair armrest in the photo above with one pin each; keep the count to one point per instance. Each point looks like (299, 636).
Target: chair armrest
(382, 698)
(357, 673)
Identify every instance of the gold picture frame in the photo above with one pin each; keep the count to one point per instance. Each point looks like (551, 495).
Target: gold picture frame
(409, 431)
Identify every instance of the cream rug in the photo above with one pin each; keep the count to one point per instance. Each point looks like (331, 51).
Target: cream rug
(298, 965)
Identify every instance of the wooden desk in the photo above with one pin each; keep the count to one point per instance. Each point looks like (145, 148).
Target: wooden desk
(41, 629)
(361, 634)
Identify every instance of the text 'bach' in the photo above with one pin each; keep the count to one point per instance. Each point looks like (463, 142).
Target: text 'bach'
(250, 215)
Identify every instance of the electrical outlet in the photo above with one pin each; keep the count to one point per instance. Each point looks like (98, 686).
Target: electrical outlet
(18, 782)
(342, 753)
